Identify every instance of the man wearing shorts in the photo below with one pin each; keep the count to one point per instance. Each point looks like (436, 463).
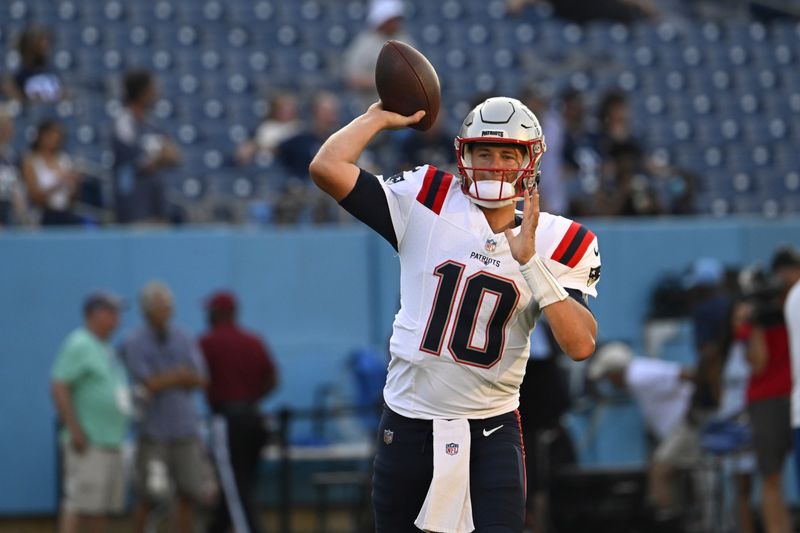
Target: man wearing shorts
(170, 458)
(90, 392)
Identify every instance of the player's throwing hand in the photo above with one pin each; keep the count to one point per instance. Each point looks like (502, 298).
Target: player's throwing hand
(523, 245)
(393, 121)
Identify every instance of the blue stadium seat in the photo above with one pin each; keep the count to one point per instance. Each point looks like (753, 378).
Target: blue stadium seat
(693, 158)
(790, 79)
(791, 182)
(193, 187)
(713, 158)
(164, 10)
(785, 155)
(17, 11)
(527, 34)
(139, 35)
(66, 12)
(101, 12)
(63, 60)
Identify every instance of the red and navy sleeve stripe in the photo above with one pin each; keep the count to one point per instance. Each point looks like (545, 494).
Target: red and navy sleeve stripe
(573, 245)
(434, 189)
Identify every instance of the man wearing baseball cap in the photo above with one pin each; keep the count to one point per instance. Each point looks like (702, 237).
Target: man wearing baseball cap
(384, 21)
(90, 392)
(241, 372)
(663, 391)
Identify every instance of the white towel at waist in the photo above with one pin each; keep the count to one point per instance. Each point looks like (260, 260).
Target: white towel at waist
(447, 507)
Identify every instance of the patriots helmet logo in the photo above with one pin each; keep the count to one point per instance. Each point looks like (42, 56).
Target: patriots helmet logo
(594, 275)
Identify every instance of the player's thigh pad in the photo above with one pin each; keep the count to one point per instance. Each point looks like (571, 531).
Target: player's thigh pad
(403, 472)
(497, 476)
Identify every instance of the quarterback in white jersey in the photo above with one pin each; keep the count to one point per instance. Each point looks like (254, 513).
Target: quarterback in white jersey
(475, 276)
(460, 341)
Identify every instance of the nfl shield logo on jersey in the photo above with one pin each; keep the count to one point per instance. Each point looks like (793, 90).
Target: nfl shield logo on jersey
(451, 448)
(388, 436)
(490, 245)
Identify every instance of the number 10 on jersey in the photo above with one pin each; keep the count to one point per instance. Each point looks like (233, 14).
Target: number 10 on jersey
(474, 291)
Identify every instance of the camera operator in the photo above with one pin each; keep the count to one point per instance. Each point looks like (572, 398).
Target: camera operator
(770, 382)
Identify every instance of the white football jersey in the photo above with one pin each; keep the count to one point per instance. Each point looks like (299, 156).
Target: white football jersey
(460, 341)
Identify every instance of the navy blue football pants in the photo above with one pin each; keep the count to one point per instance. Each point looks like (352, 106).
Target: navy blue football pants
(404, 468)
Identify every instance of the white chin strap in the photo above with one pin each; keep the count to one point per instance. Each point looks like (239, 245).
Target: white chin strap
(487, 189)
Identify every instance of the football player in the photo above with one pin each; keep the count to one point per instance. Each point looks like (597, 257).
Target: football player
(475, 276)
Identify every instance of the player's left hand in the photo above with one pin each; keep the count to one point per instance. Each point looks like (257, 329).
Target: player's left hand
(523, 244)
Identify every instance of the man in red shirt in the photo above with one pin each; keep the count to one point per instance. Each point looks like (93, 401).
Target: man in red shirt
(241, 372)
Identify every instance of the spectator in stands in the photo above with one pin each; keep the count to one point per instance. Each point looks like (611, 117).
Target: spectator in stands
(663, 391)
(50, 176)
(13, 209)
(626, 188)
(35, 81)
(791, 313)
(434, 145)
(770, 386)
(543, 401)
(635, 183)
(241, 371)
(281, 123)
(141, 154)
(625, 11)
(384, 22)
(90, 393)
(580, 165)
(614, 123)
(167, 366)
(296, 153)
(551, 185)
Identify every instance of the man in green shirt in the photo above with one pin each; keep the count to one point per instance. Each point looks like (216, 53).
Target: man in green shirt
(90, 392)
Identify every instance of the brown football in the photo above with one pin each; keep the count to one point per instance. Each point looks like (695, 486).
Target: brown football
(407, 82)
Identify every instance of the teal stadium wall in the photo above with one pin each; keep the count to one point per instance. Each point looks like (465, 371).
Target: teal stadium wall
(314, 294)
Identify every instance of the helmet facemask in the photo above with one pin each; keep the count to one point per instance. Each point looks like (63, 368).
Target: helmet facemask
(511, 182)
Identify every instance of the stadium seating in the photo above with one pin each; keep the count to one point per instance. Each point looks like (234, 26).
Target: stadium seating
(720, 98)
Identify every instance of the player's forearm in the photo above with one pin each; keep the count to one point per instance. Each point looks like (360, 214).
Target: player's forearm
(63, 402)
(573, 325)
(346, 145)
(167, 380)
(574, 328)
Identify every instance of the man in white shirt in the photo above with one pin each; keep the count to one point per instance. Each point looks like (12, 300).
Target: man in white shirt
(384, 22)
(663, 391)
